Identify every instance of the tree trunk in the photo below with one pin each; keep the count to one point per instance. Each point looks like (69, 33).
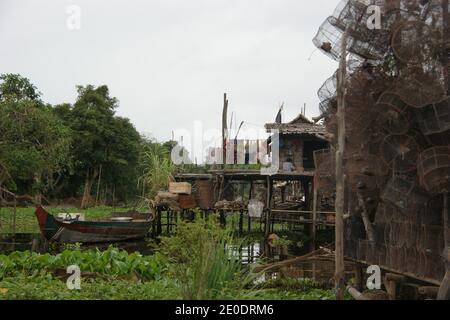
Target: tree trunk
(38, 194)
(90, 179)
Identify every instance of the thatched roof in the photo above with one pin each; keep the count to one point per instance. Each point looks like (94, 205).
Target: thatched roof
(299, 126)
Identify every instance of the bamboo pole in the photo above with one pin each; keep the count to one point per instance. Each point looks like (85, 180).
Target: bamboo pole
(224, 130)
(339, 229)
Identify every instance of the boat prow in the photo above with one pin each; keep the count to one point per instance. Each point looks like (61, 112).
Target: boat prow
(76, 231)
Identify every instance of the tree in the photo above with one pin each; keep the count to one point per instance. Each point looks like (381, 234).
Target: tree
(16, 88)
(156, 167)
(34, 143)
(103, 145)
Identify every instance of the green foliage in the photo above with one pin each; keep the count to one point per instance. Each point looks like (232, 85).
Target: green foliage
(34, 143)
(196, 263)
(111, 262)
(156, 167)
(103, 144)
(14, 87)
(283, 294)
(200, 260)
(47, 287)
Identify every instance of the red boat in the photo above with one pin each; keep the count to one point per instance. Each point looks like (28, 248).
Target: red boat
(73, 230)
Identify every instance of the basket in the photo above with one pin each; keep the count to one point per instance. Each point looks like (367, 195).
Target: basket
(434, 169)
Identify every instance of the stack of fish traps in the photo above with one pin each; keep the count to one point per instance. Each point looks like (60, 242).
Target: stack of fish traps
(397, 122)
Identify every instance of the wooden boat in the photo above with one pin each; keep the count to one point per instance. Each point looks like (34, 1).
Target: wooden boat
(74, 230)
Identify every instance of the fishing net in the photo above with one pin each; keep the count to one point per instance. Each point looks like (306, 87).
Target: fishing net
(434, 169)
(434, 118)
(397, 104)
(415, 42)
(393, 114)
(400, 152)
(327, 95)
(419, 88)
(404, 194)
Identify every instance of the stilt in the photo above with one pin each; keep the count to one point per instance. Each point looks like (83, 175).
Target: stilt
(444, 290)
(269, 206)
(241, 222)
(158, 224)
(168, 222)
(314, 219)
(222, 218)
(359, 277)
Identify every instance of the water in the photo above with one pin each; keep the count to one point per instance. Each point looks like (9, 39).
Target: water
(248, 254)
(30, 241)
(18, 242)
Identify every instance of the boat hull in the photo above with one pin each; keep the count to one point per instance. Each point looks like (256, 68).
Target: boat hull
(89, 231)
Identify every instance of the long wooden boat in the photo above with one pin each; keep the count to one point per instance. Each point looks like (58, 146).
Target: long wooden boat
(74, 231)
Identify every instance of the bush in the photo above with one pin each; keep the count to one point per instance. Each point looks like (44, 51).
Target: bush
(202, 262)
(112, 262)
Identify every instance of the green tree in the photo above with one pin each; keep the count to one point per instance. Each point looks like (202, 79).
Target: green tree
(103, 145)
(14, 87)
(34, 143)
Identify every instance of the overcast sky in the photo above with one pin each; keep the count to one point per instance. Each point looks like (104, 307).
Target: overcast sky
(170, 61)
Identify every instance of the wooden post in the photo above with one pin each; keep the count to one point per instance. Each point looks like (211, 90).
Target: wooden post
(445, 44)
(444, 290)
(339, 229)
(154, 224)
(359, 277)
(168, 221)
(14, 218)
(445, 220)
(241, 222)
(222, 218)
(268, 204)
(158, 222)
(314, 218)
(224, 130)
(250, 196)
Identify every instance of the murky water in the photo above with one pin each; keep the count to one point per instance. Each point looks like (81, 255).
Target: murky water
(248, 253)
(18, 242)
(28, 241)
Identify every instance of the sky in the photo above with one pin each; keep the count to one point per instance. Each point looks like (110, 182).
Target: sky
(169, 62)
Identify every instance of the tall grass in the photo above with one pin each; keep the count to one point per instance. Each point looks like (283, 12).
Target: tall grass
(203, 265)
